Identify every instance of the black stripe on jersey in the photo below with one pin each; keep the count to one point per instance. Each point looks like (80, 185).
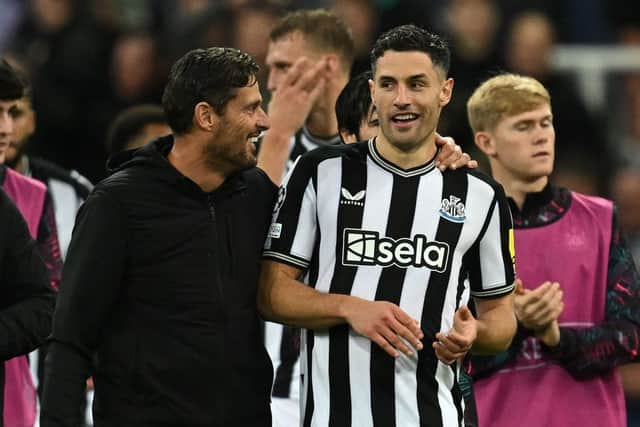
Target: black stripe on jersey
(457, 393)
(389, 288)
(308, 408)
(455, 183)
(289, 351)
(354, 180)
(288, 206)
(298, 148)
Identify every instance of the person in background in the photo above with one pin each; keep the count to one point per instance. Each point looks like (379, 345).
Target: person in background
(27, 298)
(136, 126)
(578, 294)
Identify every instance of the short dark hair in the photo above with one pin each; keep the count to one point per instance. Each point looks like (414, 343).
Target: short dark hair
(412, 38)
(211, 75)
(352, 105)
(11, 85)
(130, 122)
(322, 29)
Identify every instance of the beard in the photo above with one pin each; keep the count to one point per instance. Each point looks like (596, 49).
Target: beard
(228, 158)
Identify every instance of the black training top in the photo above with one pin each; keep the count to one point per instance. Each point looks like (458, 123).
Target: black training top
(160, 287)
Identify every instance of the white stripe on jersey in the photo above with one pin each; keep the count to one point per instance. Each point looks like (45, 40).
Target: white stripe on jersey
(374, 217)
(328, 200)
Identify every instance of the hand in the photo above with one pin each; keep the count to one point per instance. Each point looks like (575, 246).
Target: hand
(537, 308)
(291, 103)
(451, 155)
(385, 324)
(550, 335)
(458, 341)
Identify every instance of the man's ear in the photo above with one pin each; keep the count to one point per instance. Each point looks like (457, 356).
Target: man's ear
(485, 143)
(348, 137)
(446, 91)
(204, 117)
(372, 91)
(333, 64)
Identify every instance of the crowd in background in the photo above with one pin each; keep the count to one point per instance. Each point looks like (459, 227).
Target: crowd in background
(89, 60)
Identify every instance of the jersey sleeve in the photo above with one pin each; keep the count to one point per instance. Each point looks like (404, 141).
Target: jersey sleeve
(491, 261)
(292, 234)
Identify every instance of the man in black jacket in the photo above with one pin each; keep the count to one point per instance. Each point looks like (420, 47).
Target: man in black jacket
(159, 283)
(26, 299)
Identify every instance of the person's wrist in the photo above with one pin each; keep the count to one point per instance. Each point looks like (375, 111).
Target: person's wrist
(549, 336)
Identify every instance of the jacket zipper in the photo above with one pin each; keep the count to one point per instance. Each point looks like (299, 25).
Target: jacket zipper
(215, 259)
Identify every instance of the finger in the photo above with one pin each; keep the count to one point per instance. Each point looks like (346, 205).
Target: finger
(310, 78)
(461, 342)
(448, 156)
(385, 345)
(462, 161)
(543, 312)
(464, 313)
(472, 164)
(395, 341)
(399, 330)
(318, 89)
(409, 322)
(519, 287)
(443, 354)
(295, 72)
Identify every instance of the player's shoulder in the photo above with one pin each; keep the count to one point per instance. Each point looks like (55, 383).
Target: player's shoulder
(323, 153)
(477, 182)
(484, 181)
(592, 203)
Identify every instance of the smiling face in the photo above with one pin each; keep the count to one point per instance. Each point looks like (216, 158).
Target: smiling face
(521, 147)
(232, 143)
(409, 93)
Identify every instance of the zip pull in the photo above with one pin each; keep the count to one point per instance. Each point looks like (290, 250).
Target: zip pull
(212, 209)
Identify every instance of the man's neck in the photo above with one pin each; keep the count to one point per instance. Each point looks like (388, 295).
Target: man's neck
(517, 189)
(187, 157)
(21, 165)
(407, 159)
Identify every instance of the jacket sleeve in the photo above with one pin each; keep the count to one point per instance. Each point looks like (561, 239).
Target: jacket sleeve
(590, 352)
(91, 283)
(27, 299)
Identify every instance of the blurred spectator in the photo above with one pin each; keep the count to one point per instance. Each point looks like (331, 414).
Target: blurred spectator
(362, 18)
(136, 126)
(529, 43)
(67, 53)
(260, 17)
(472, 27)
(68, 189)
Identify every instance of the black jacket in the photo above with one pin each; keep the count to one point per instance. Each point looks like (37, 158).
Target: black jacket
(26, 299)
(159, 287)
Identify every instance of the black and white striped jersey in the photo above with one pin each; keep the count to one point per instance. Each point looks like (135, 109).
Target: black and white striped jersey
(359, 225)
(283, 343)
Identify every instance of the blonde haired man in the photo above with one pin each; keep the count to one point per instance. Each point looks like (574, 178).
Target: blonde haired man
(577, 299)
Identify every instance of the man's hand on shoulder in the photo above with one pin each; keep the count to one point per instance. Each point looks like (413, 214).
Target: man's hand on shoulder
(451, 156)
